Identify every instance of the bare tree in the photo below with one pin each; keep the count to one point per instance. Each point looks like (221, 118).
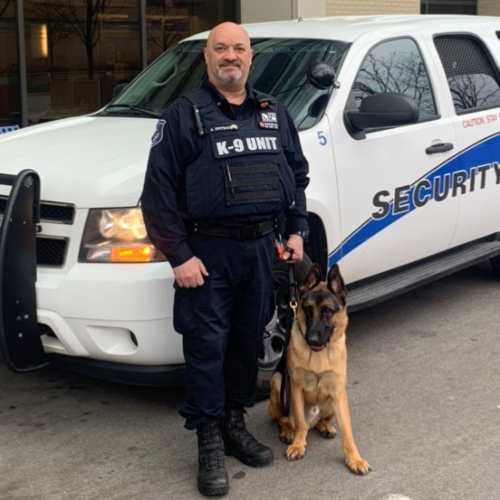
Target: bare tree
(473, 90)
(82, 18)
(398, 72)
(57, 31)
(170, 24)
(4, 8)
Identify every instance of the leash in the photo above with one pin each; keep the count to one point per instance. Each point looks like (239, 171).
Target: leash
(291, 314)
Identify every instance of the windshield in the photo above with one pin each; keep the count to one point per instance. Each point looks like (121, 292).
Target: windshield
(279, 68)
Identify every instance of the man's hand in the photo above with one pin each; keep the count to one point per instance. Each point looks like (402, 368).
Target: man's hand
(191, 273)
(296, 244)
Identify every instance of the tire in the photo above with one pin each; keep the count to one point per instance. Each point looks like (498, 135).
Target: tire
(495, 264)
(274, 335)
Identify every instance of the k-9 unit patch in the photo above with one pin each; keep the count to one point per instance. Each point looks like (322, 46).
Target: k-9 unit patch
(245, 145)
(158, 135)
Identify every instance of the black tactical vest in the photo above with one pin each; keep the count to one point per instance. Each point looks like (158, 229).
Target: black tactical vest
(242, 170)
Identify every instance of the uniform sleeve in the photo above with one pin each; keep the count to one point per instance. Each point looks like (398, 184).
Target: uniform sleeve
(163, 184)
(297, 213)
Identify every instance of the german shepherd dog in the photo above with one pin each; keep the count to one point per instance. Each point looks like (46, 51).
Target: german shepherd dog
(317, 366)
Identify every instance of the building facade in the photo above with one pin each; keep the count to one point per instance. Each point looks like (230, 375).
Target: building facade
(63, 58)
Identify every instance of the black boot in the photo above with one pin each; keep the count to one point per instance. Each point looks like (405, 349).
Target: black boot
(212, 475)
(239, 443)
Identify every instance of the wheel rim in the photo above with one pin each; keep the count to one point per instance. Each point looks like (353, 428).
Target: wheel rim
(274, 335)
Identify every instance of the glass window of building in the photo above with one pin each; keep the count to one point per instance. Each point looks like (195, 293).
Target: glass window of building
(449, 7)
(169, 21)
(9, 66)
(76, 51)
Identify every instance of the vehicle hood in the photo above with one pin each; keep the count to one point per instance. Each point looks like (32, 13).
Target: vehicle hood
(89, 161)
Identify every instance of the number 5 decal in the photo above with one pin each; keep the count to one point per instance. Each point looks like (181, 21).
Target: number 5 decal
(322, 138)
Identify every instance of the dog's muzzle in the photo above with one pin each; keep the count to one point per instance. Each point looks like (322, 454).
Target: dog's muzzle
(316, 347)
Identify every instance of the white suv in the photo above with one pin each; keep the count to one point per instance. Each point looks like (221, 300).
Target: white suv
(399, 118)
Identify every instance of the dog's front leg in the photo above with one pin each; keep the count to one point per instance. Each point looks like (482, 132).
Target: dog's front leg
(298, 447)
(284, 423)
(353, 459)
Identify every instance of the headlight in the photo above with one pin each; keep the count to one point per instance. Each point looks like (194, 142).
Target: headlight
(117, 235)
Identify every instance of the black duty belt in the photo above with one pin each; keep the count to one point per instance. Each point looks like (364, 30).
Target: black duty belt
(246, 232)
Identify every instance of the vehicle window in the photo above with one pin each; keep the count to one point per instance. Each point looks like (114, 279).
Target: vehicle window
(396, 66)
(472, 78)
(279, 68)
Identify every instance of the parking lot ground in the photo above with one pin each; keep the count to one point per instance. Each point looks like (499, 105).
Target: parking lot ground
(424, 393)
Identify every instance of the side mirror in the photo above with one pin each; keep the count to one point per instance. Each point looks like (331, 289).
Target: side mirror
(384, 110)
(321, 75)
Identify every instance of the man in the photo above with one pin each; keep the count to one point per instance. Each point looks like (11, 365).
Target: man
(225, 164)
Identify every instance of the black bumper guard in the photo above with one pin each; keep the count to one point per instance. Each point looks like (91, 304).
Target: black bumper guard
(21, 348)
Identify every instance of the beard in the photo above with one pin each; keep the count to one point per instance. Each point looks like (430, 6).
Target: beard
(231, 76)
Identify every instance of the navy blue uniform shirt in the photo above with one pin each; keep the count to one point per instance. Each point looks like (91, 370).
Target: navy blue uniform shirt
(176, 144)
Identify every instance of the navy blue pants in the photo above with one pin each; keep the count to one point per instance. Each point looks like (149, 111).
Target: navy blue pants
(222, 324)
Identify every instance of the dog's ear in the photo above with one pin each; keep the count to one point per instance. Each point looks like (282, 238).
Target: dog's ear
(336, 283)
(312, 279)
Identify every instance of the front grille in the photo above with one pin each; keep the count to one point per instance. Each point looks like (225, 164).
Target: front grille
(49, 212)
(57, 213)
(50, 251)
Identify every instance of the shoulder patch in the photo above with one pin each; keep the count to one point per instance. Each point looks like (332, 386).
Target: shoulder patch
(158, 135)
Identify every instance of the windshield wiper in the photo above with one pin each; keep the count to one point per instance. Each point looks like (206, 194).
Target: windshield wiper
(144, 111)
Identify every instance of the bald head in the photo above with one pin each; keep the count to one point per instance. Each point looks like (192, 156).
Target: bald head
(228, 30)
(228, 56)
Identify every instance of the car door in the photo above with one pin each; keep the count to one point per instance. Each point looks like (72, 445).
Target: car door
(394, 195)
(473, 89)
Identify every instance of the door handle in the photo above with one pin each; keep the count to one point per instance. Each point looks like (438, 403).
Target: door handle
(439, 148)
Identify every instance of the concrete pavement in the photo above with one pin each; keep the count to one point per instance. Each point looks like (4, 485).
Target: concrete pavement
(424, 392)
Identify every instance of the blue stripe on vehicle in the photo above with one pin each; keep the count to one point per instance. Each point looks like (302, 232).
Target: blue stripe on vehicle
(482, 153)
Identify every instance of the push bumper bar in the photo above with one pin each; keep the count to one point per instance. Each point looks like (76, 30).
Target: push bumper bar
(21, 347)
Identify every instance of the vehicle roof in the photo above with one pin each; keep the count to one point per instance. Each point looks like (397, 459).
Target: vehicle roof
(349, 28)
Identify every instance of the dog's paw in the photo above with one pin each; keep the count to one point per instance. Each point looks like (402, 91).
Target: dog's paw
(295, 452)
(329, 434)
(326, 430)
(287, 433)
(358, 466)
